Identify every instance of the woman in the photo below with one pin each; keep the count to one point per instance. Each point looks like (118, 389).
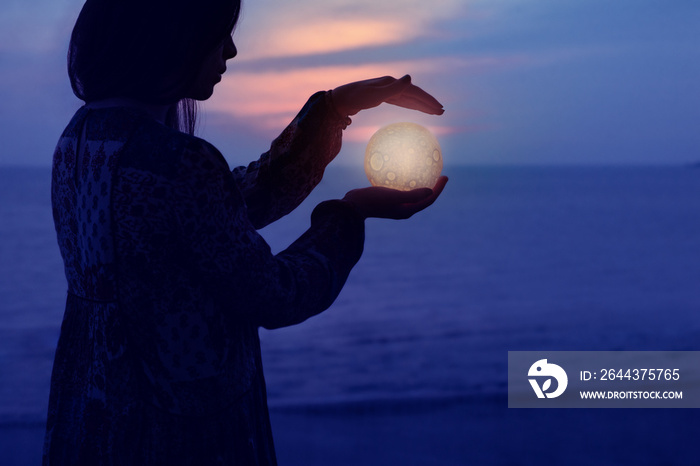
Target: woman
(158, 361)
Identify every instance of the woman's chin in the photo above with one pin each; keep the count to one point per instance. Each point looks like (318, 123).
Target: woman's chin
(201, 94)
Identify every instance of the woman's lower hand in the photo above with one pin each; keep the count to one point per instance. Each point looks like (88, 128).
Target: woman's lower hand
(361, 95)
(381, 202)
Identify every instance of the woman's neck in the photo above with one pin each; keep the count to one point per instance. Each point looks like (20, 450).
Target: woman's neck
(157, 111)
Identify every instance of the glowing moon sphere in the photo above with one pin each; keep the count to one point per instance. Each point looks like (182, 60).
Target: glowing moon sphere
(403, 156)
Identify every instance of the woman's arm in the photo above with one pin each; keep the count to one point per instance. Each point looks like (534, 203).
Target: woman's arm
(281, 179)
(234, 264)
(232, 261)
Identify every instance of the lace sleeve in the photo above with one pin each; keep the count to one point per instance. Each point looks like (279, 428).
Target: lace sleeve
(234, 261)
(281, 179)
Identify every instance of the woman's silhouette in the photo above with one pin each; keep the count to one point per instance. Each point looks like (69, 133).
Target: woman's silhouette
(158, 360)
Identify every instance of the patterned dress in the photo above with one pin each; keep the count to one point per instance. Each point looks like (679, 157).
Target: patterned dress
(158, 360)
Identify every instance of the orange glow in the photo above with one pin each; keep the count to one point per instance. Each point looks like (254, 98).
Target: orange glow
(269, 100)
(304, 27)
(253, 94)
(331, 35)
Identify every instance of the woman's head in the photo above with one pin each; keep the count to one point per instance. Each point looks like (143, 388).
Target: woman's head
(153, 51)
(211, 69)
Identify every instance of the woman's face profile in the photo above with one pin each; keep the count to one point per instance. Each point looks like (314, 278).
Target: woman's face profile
(213, 66)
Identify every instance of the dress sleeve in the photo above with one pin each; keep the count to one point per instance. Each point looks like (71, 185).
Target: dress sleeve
(280, 180)
(235, 263)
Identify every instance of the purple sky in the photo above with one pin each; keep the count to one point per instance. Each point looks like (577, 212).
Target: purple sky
(522, 81)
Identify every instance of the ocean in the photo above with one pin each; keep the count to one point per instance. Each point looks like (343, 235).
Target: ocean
(516, 258)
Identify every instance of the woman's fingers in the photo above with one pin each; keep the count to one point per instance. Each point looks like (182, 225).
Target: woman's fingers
(413, 196)
(381, 89)
(436, 191)
(354, 97)
(415, 98)
(417, 103)
(403, 93)
(428, 200)
(383, 202)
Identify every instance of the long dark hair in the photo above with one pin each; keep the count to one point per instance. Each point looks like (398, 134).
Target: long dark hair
(147, 50)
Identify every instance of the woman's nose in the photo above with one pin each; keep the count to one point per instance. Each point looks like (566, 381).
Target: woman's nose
(230, 50)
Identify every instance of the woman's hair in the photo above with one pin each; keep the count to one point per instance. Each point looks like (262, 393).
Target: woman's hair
(147, 50)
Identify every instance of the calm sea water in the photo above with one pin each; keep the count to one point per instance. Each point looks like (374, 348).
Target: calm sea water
(507, 259)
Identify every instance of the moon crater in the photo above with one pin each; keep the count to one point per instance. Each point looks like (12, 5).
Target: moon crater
(403, 156)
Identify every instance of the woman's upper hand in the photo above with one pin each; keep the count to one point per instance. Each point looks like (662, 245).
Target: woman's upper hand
(381, 202)
(351, 98)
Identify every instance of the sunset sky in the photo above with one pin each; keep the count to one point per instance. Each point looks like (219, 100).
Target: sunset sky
(522, 81)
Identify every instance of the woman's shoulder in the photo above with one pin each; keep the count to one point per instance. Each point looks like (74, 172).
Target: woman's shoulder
(147, 144)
